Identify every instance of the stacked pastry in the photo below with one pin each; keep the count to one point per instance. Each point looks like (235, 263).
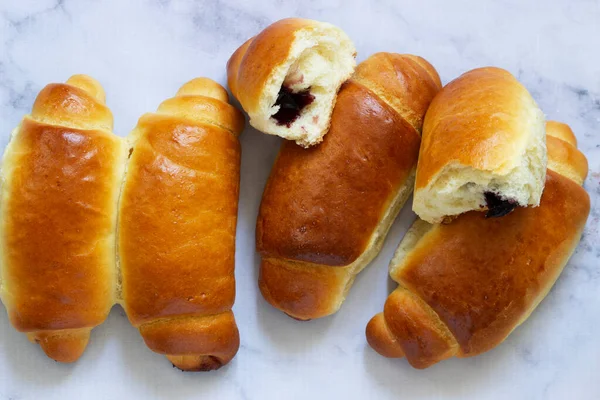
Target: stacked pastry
(326, 210)
(465, 285)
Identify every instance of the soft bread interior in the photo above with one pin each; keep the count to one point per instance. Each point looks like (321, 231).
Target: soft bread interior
(8, 165)
(410, 241)
(461, 188)
(320, 60)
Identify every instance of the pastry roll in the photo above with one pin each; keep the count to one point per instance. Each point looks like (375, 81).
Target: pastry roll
(287, 77)
(326, 210)
(177, 223)
(61, 175)
(483, 148)
(466, 285)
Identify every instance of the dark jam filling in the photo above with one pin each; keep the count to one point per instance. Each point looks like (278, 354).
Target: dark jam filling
(291, 105)
(498, 207)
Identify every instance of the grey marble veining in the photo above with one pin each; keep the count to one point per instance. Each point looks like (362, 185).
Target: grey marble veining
(143, 50)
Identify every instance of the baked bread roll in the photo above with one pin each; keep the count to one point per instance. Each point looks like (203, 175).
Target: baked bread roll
(326, 210)
(287, 77)
(61, 176)
(177, 222)
(483, 148)
(465, 286)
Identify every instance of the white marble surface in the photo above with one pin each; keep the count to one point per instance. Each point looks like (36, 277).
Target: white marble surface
(142, 50)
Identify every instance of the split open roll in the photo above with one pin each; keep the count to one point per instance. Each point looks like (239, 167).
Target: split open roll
(483, 148)
(287, 77)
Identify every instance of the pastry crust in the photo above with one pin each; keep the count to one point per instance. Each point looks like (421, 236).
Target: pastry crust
(475, 280)
(177, 224)
(483, 133)
(301, 55)
(61, 177)
(326, 210)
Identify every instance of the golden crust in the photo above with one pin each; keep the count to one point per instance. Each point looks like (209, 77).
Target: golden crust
(567, 160)
(561, 131)
(563, 155)
(233, 67)
(405, 82)
(89, 85)
(61, 174)
(482, 289)
(250, 66)
(208, 110)
(65, 105)
(178, 214)
(204, 100)
(481, 277)
(381, 339)
(58, 227)
(409, 328)
(303, 291)
(321, 206)
(65, 346)
(199, 343)
(488, 104)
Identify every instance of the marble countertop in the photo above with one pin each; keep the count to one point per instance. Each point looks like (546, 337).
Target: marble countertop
(142, 50)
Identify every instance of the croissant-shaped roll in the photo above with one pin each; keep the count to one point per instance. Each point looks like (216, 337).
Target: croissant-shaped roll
(465, 286)
(61, 177)
(177, 222)
(287, 77)
(326, 210)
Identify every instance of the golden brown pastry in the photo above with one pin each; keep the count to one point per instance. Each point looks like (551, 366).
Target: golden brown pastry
(326, 210)
(483, 148)
(61, 175)
(287, 77)
(465, 286)
(177, 222)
